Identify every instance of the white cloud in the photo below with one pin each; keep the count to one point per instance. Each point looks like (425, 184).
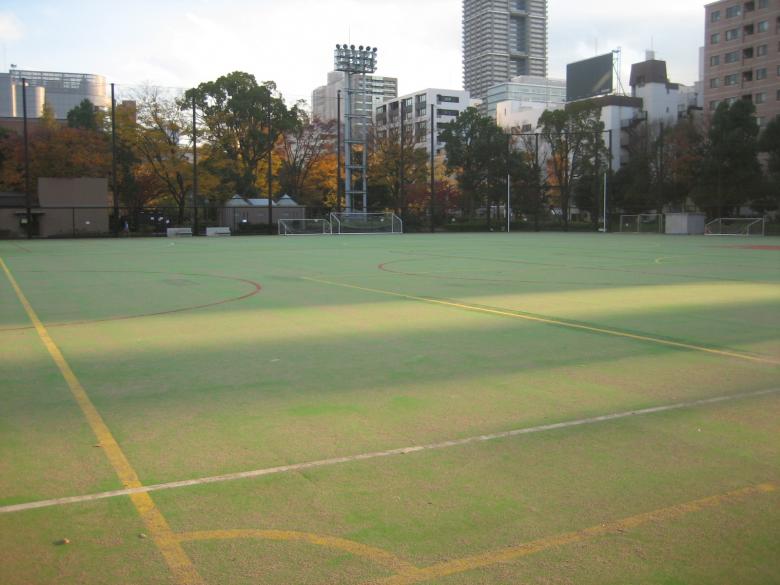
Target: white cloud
(11, 28)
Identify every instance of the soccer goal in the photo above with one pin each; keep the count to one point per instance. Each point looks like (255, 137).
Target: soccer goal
(304, 227)
(736, 226)
(356, 223)
(642, 223)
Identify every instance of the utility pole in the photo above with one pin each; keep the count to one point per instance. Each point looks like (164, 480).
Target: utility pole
(508, 181)
(338, 151)
(402, 170)
(270, 173)
(28, 195)
(114, 182)
(433, 172)
(194, 167)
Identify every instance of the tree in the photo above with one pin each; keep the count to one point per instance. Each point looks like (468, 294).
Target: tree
(730, 172)
(574, 137)
(302, 149)
(769, 143)
(160, 139)
(477, 152)
(243, 120)
(386, 174)
(86, 116)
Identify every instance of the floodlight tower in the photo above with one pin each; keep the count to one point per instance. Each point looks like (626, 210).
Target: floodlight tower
(356, 62)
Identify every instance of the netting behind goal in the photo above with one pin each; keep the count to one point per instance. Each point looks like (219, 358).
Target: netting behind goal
(366, 223)
(736, 226)
(304, 227)
(642, 223)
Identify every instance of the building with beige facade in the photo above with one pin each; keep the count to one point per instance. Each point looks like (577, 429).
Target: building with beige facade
(742, 55)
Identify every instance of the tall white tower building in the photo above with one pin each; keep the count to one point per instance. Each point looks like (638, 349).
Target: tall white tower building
(502, 39)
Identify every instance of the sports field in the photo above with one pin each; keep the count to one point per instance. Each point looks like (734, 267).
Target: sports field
(450, 409)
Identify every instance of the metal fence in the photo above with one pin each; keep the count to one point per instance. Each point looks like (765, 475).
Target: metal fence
(96, 222)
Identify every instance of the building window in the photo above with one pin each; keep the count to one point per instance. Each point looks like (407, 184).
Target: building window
(747, 53)
(763, 3)
(733, 11)
(714, 60)
(763, 26)
(732, 57)
(731, 79)
(761, 73)
(761, 121)
(714, 105)
(715, 16)
(760, 98)
(731, 101)
(732, 34)
(762, 50)
(715, 82)
(715, 39)
(750, 6)
(778, 95)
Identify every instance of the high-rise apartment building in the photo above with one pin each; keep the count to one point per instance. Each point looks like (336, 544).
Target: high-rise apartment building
(324, 99)
(742, 55)
(502, 39)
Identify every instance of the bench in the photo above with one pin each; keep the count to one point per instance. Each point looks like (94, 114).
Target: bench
(215, 232)
(179, 232)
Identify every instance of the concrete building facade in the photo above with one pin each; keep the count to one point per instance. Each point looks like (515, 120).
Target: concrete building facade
(662, 101)
(526, 91)
(742, 55)
(378, 89)
(60, 91)
(502, 39)
(415, 110)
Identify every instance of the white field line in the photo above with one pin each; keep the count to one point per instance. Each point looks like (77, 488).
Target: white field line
(379, 454)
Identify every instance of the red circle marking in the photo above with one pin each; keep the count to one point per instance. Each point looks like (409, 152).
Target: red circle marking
(257, 287)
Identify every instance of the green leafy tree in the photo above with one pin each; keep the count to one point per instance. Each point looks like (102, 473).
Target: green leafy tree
(86, 116)
(769, 143)
(730, 172)
(477, 151)
(574, 137)
(244, 121)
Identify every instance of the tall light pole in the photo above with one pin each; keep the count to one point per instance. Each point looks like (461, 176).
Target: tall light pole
(433, 169)
(354, 62)
(28, 195)
(194, 166)
(114, 182)
(338, 151)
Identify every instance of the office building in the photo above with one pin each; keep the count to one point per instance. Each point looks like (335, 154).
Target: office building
(415, 110)
(502, 39)
(526, 91)
(60, 91)
(324, 99)
(742, 55)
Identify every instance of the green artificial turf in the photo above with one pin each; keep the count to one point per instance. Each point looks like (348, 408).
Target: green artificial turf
(214, 356)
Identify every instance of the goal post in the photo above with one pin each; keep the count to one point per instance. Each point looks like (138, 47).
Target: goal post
(304, 227)
(358, 223)
(642, 223)
(736, 226)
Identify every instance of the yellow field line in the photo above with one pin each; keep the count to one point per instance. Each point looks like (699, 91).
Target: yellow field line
(511, 554)
(551, 321)
(376, 555)
(181, 566)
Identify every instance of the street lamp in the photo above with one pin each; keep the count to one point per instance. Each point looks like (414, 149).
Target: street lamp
(354, 61)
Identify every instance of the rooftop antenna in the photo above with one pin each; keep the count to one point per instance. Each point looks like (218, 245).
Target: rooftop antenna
(617, 65)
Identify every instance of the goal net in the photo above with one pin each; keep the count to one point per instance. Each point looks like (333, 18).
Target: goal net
(366, 223)
(642, 223)
(736, 226)
(304, 227)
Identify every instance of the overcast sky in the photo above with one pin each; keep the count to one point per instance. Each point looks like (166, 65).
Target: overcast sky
(181, 43)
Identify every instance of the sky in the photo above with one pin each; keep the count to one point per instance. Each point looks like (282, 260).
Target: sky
(177, 43)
